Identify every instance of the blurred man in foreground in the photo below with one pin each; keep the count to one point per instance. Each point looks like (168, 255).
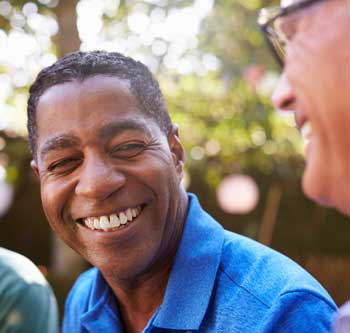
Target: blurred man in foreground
(110, 164)
(310, 39)
(27, 304)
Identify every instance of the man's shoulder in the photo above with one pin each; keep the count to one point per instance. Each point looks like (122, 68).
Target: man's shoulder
(19, 278)
(25, 294)
(260, 290)
(20, 268)
(264, 273)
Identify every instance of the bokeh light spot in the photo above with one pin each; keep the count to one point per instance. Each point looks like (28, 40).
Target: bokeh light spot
(237, 194)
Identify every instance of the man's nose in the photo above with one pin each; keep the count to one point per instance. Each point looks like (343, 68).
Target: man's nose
(99, 179)
(283, 98)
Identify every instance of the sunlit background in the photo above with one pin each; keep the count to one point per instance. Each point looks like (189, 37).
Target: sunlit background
(244, 160)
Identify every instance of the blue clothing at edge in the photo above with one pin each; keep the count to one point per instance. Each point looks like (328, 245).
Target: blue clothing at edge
(220, 282)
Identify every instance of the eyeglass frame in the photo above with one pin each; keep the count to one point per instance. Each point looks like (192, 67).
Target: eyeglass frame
(280, 12)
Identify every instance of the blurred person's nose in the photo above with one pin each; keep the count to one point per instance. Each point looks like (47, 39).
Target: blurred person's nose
(283, 98)
(99, 179)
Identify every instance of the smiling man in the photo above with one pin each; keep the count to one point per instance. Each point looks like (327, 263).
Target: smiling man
(310, 40)
(110, 164)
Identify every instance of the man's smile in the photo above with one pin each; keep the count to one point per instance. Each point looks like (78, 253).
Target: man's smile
(305, 127)
(306, 133)
(111, 222)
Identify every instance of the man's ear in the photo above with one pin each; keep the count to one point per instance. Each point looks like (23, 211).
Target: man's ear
(177, 150)
(34, 167)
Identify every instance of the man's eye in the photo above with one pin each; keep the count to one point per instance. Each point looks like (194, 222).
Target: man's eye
(65, 165)
(128, 150)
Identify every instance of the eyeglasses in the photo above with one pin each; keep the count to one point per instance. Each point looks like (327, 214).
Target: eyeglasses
(269, 20)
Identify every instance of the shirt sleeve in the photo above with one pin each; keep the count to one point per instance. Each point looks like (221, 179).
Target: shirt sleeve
(33, 311)
(302, 312)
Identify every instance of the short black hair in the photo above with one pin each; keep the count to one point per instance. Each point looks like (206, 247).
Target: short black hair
(82, 65)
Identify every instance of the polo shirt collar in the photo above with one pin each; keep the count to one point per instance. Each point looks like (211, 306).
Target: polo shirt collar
(193, 275)
(103, 313)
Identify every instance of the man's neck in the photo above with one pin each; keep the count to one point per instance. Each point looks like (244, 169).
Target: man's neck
(139, 297)
(139, 300)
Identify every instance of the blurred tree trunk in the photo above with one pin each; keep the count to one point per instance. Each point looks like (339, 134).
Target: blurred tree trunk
(270, 215)
(66, 262)
(68, 37)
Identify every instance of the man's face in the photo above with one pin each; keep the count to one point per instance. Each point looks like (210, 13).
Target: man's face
(315, 84)
(101, 162)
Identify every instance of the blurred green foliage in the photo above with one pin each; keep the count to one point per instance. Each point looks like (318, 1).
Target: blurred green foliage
(225, 115)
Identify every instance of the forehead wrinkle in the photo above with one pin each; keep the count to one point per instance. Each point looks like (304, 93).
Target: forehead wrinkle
(117, 128)
(58, 142)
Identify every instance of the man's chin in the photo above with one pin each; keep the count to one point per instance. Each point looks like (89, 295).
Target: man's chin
(312, 188)
(324, 200)
(316, 189)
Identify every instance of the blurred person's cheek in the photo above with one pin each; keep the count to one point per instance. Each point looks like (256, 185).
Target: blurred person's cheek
(318, 68)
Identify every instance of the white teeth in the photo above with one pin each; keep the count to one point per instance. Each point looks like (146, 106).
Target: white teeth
(134, 212)
(306, 131)
(104, 222)
(96, 223)
(129, 214)
(89, 223)
(113, 221)
(123, 219)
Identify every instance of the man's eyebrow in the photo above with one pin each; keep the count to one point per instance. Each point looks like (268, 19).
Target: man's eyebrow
(62, 141)
(114, 129)
(59, 142)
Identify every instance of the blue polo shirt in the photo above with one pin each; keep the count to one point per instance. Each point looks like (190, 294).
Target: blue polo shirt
(220, 282)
